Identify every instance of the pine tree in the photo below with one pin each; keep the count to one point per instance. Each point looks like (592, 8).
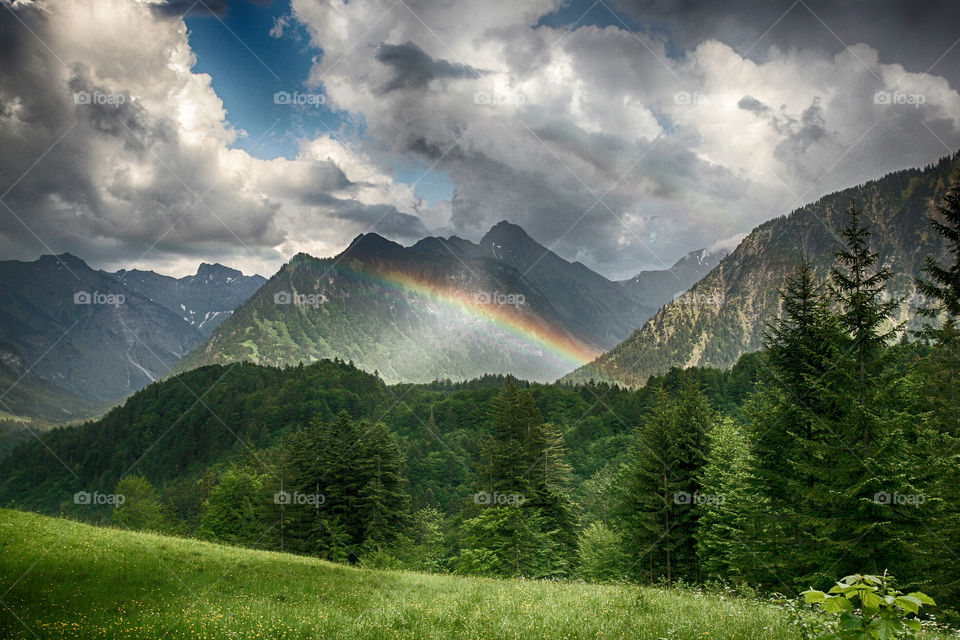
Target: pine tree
(522, 462)
(942, 284)
(864, 454)
(858, 286)
(793, 417)
(382, 504)
(657, 509)
(724, 537)
(937, 384)
(340, 487)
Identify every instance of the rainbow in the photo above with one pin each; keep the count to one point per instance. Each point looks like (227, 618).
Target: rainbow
(525, 327)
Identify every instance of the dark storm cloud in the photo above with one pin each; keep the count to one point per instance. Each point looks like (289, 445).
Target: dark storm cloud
(414, 69)
(915, 34)
(749, 103)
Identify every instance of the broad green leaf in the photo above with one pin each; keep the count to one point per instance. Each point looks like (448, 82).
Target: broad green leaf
(886, 628)
(850, 621)
(922, 597)
(813, 596)
(909, 603)
(836, 605)
(871, 600)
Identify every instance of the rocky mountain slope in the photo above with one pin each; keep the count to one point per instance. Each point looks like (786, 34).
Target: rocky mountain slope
(725, 314)
(75, 339)
(203, 300)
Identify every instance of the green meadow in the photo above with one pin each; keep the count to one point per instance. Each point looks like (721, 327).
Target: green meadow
(62, 579)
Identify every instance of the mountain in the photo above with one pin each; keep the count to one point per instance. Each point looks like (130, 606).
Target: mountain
(655, 288)
(203, 300)
(74, 340)
(441, 308)
(84, 330)
(725, 314)
(22, 393)
(30, 405)
(587, 304)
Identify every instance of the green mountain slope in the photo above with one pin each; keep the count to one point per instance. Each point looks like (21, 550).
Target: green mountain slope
(444, 308)
(724, 314)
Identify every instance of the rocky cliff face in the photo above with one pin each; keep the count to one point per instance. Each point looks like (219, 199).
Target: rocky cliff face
(203, 300)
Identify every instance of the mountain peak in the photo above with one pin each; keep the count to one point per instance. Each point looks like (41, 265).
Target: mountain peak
(209, 270)
(68, 259)
(506, 232)
(370, 244)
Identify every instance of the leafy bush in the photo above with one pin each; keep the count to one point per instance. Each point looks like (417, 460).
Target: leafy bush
(869, 608)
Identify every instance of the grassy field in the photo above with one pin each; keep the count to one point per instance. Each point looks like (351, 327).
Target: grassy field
(61, 579)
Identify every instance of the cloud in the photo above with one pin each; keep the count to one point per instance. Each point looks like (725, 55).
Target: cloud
(116, 151)
(414, 69)
(900, 31)
(749, 103)
(605, 144)
(615, 148)
(179, 8)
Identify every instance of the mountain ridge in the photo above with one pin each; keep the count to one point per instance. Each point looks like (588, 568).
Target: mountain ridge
(724, 314)
(435, 304)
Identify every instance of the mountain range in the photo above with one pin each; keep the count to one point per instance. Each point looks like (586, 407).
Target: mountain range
(725, 314)
(74, 339)
(203, 300)
(442, 308)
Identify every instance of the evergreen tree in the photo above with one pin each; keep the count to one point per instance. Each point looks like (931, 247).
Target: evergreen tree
(233, 513)
(657, 510)
(942, 284)
(523, 464)
(792, 417)
(724, 535)
(382, 504)
(937, 384)
(867, 448)
(339, 488)
(858, 286)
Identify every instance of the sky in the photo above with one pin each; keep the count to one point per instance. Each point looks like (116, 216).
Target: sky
(158, 134)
